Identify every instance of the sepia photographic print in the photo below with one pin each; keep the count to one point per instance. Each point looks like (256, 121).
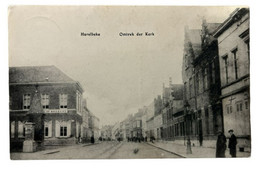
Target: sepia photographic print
(129, 82)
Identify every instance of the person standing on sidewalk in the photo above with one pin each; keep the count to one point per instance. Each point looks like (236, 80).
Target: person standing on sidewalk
(221, 145)
(232, 143)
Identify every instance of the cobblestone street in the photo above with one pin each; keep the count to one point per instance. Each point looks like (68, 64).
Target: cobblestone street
(104, 150)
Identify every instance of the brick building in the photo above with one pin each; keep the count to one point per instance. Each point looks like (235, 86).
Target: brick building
(201, 80)
(172, 113)
(233, 45)
(60, 98)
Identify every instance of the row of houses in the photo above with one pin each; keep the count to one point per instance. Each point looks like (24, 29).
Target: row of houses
(215, 92)
(51, 100)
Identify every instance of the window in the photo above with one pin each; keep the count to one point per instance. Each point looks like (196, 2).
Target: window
(248, 53)
(226, 67)
(205, 79)
(63, 101)
(46, 131)
(10, 102)
(26, 101)
(138, 123)
(45, 101)
(79, 101)
(207, 120)
(197, 82)
(246, 104)
(229, 109)
(239, 106)
(190, 86)
(63, 131)
(213, 76)
(235, 62)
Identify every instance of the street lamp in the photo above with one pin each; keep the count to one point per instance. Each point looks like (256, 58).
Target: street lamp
(187, 119)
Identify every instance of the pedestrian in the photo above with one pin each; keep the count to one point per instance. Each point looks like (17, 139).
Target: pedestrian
(221, 145)
(232, 143)
(92, 140)
(200, 139)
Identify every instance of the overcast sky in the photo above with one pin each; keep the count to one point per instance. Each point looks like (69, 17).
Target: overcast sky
(119, 74)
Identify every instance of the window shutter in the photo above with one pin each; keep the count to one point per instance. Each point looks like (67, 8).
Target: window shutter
(57, 128)
(65, 100)
(12, 129)
(69, 128)
(50, 128)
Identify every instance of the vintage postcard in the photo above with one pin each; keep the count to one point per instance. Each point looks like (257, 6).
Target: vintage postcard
(129, 82)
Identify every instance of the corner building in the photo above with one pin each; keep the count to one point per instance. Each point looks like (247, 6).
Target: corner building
(233, 42)
(61, 101)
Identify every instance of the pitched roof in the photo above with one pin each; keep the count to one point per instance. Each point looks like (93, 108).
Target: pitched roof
(239, 12)
(33, 74)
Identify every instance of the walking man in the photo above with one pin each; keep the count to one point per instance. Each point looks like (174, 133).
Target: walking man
(232, 143)
(221, 145)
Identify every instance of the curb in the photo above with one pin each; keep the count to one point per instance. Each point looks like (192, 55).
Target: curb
(167, 151)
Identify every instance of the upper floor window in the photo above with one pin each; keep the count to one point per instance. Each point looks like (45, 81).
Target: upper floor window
(190, 87)
(78, 101)
(213, 76)
(197, 82)
(234, 52)
(138, 123)
(63, 101)
(26, 101)
(246, 104)
(205, 79)
(45, 101)
(226, 67)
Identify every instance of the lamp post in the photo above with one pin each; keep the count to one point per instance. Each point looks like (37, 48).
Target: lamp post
(187, 119)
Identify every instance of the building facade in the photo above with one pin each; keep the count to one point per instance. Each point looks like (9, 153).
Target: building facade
(233, 45)
(201, 78)
(172, 118)
(60, 101)
(94, 125)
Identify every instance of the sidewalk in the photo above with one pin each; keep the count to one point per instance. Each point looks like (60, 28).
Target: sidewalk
(38, 155)
(197, 152)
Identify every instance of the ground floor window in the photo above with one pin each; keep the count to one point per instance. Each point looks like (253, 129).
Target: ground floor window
(46, 131)
(13, 129)
(63, 131)
(246, 104)
(48, 128)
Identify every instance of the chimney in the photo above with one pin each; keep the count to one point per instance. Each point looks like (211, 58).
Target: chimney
(170, 81)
